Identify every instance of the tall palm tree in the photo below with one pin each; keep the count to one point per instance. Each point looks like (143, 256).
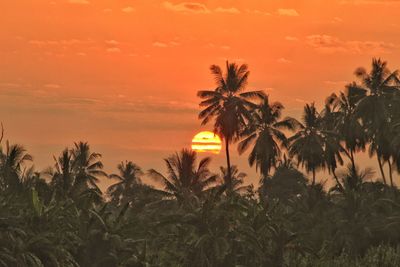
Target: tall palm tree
(229, 104)
(12, 160)
(265, 131)
(348, 126)
(86, 166)
(374, 108)
(184, 179)
(63, 177)
(128, 179)
(307, 145)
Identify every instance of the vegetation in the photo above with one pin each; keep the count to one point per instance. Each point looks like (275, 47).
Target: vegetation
(60, 217)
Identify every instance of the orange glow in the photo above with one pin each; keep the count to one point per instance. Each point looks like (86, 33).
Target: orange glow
(206, 142)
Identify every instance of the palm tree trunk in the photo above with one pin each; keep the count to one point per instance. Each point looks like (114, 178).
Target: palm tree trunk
(313, 176)
(228, 160)
(381, 168)
(390, 173)
(337, 181)
(353, 164)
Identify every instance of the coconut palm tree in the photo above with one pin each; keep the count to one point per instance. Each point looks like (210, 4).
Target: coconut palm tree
(374, 109)
(86, 166)
(307, 145)
(12, 160)
(128, 180)
(184, 179)
(348, 126)
(265, 131)
(63, 177)
(229, 104)
(233, 183)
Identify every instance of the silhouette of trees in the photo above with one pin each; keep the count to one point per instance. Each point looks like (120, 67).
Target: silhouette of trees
(60, 217)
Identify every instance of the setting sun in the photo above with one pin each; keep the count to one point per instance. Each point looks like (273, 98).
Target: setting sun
(206, 142)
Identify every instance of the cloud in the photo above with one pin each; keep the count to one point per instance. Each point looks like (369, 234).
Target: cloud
(284, 60)
(160, 44)
(52, 86)
(107, 10)
(187, 7)
(113, 50)
(225, 47)
(112, 42)
(81, 54)
(258, 12)
(291, 38)
(164, 45)
(128, 9)
(79, 2)
(370, 2)
(288, 12)
(330, 44)
(231, 10)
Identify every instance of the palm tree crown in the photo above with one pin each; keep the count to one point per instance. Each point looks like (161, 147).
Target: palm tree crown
(229, 105)
(265, 131)
(184, 179)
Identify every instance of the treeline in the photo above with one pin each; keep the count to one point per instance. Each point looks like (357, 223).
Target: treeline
(199, 217)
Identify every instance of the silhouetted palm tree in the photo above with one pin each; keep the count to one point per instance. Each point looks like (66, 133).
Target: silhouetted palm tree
(229, 105)
(307, 145)
(374, 109)
(184, 179)
(11, 165)
(128, 180)
(265, 131)
(233, 183)
(86, 166)
(348, 126)
(63, 177)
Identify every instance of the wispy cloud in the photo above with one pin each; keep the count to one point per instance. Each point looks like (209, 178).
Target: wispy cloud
(199, 8)
(79, 2)
(231, 10)
(113, 50)
(188, 7)
(291, 38)
(371, 2)
(330, 44)
(128, 9)
(284, 60)
(164, 45)
(258, 12)
(112, 42)
(288, 12)
(52, 86)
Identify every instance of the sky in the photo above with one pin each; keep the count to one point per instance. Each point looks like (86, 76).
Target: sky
(123, 74)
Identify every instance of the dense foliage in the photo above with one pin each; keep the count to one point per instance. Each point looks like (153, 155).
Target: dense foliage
(59, 216)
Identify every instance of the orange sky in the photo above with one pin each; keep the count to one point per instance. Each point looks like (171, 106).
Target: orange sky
(123, 74)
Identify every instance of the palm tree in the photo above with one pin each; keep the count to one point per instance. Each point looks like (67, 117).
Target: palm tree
(63, 177)
(233, 183)
(307, 145)
(285, 184)
(11, 163)
(374, 108)
(184, 179)
(228, 105)
(86, 166)
(265, 131)
(128, 180)
(348, 126)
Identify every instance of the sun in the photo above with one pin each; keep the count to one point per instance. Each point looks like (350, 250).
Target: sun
(206, 142)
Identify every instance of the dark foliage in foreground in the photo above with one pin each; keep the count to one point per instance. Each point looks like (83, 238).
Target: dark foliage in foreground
(59, 217)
